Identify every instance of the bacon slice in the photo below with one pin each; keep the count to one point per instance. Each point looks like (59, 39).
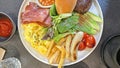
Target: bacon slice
(48, 20)
(34, 13)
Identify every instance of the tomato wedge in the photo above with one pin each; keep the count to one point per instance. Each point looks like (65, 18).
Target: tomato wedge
(85, 36)
(87, 41)
(82, 46)
(90, 41)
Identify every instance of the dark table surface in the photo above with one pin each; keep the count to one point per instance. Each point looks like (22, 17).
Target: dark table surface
(15, 47)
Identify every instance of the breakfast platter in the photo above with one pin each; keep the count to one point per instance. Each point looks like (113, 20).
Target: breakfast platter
(48, 32)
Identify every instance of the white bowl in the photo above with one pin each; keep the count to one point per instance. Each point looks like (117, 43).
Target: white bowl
(42, 5)
(95, 8)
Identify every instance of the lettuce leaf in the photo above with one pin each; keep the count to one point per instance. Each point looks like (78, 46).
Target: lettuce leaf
(68, 23)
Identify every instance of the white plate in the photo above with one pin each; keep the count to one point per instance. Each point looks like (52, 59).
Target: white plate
(95, 8)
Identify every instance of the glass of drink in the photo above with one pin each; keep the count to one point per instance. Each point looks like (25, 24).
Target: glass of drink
(10, 63)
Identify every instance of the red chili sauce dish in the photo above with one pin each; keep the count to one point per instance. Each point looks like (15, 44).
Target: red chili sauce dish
(6, 27)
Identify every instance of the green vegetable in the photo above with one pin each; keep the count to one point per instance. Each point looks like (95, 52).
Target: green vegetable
(86, 28)
(56, 19)
(94, 17)
(53, 11)
(68, 24)
(71, 23)
(58, 37)
(94, 24)
(91, 22)
(88, 24)
(66, 15)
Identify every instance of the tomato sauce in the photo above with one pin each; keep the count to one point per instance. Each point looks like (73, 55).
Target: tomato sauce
(5, 27)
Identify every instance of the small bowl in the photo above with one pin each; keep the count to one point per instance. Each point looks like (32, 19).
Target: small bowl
(42, 5)
(3, 39)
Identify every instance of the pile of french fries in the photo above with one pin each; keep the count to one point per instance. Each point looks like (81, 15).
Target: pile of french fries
(66, 48)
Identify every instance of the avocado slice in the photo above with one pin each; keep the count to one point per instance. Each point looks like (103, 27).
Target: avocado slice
(95, 17)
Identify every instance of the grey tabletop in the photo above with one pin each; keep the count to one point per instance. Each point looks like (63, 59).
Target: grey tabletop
(15, 47)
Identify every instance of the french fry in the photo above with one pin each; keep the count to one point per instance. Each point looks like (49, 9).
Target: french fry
(54, 57)
(54, 49)
(67, 46)
(62, 45)
(77, 38)
(61, 41)
(58, 59)
(50, 47)
(63, 53)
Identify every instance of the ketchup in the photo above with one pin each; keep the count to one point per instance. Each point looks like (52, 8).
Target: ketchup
(5, 27)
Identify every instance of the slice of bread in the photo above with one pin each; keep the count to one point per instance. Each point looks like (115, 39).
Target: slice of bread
(2, 53)
(65, 6)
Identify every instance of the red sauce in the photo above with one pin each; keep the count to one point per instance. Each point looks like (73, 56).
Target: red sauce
(5, 27)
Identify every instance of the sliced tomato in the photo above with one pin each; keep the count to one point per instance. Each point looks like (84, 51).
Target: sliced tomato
(90, 41)
(82, 46)
(85, 36)
(87, 41)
